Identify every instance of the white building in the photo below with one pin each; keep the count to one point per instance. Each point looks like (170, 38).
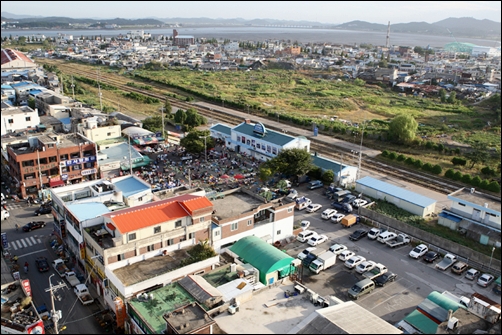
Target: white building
(19, 118)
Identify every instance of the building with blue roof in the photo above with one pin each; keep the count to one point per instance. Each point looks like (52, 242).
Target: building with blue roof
(344, 174)
(255, 140)
(409, 201)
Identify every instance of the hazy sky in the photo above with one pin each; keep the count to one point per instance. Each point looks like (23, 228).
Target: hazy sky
(320, 11)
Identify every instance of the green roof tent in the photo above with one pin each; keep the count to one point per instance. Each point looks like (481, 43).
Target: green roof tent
(263, 256)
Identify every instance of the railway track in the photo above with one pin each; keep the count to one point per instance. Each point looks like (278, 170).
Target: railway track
(368, 163)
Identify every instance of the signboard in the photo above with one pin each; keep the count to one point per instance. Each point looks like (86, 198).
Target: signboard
(4, 241)
(80, 160)
(259, 129)
(64, 176)
(26, 287)
(88, 172)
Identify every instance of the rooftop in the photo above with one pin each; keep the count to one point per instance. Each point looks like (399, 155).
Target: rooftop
(188, 319)
(396, 191)
(130, 186)
(88, 210)
(234, 204)
(271, 136)
(489, 203)
(222, 128)
(17, 110)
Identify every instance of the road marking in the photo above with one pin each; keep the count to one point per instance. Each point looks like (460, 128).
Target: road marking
(39, 240)
(34, 241)
(19, 244)
(24, 244)
(33, 252)
(27, 241)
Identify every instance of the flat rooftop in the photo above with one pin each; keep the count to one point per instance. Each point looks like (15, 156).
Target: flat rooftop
(476, 198)
(234, 204)
(189, 318)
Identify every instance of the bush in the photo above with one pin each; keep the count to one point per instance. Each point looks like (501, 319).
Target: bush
(459, 161)
(457, 151)
(427, 167)
(401, 158)
(393, 155)
(484, 184)
(429, 145)
(494, 187)
(488, 171)
(466, 178)
(418, 164)
(457, 175)
(385, 153)
(440, 147)
(476, 181)
(449, 174)
(410, 161)
(437, 169)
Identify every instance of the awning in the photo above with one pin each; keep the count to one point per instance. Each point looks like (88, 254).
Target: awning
(56, 183)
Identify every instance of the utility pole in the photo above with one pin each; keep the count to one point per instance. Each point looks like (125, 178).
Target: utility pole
(72, 88)
(360, 152)
(130, 156)
(40, 175)
(55, 316)
(99, 93)
(162, 111)
(205, 145)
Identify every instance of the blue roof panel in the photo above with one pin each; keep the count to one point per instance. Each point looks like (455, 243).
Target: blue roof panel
(88, 210)
(130, 186)
(397, 192)
(222, 128)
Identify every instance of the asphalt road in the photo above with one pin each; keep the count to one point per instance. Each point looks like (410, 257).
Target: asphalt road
(416, 279)
(77, 318)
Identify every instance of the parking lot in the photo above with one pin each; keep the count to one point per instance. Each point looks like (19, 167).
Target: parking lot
(415, 278)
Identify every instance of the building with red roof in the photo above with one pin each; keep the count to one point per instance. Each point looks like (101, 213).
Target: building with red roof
(14, 59)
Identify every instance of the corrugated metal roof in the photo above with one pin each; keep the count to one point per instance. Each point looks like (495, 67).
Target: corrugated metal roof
(327, 164)
(421, 322)
(132, 219)
(396, 191)
(443, 301)
(434, 310)
(130, 186)
(271, 136)
(88, 210)
(450, 217)
(221, 128)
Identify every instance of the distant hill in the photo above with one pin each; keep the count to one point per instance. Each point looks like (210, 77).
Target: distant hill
(459, 27)
(15, 16)
(54, 21)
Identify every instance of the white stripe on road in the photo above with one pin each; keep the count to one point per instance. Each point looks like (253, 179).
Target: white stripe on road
(24, 244)
(31, 253)
(19, 244)
(27, 241)
(39, 240)
(34, 241)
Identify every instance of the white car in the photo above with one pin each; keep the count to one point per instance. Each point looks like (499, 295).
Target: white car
(365, 266)
(359, 203)
(316, 240)
(419, 251)
(337, 249)
(313, 208)
(485, 280)
(302, 255)
(337, 217)
(305, 224)
(354, 261)
(328, 213)
(344, 255)
(373, 233)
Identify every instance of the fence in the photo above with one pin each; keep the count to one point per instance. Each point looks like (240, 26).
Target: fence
(474, 258)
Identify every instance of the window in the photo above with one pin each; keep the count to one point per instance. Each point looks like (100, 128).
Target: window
(150, 247)
(249, 222)
(132, 236)
(461, 204)
(177, 224)
(108, 134)
(170, 241)
(290, 209)
(201, 219)
(120, 257)
(53, 159)
(191, 235)
(28, 118)
(278, 232)
(140, 199)
(216, 233)
(233, 226)
(11, 121)
(243, 140)
(199, 272)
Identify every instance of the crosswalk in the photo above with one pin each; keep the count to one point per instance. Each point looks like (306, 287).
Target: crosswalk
(25, 242)
(14, 205)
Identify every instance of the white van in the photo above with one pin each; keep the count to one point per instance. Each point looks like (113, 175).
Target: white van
(305, 235)
(386, 236)
(5, 214)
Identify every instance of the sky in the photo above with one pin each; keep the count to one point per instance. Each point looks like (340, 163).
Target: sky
(333, 12)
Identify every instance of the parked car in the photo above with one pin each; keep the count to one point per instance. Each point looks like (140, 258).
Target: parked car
(472, 274)
(354, 261)
(305, 235)
(359, 203)
(358, 234)
(431, 256)
(344, 207)
(419, 251)
(315, 184)
(43, 210)
(292, 195)
(305, 224)
(313, 208)
(387, 277)
(328, 213)
(349, 199)
(337, 217)
(345, 255)
(302, 255)
(373, 233)
(365, 266)
(316, 240)
(42, 264)
(337, 249)
(485, 280)
(33, 225)
(459, 267)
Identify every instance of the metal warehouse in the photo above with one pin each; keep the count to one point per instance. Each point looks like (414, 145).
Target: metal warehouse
(409, 201)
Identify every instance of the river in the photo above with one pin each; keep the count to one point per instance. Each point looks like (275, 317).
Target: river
(302, 35)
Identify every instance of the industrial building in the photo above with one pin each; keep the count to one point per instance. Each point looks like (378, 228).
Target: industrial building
(409, 201)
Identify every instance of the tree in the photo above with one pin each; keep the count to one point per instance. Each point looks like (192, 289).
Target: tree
(31, 103)
(168, 108)
(180, 116)
(437, 169)
(442, 95)
(194, 119)
(328, 177)
(452, 98)
(292, 162)
(419, 50)
(265, 172)
(194, 141)
(153, 123)
(403, 128)
(478, 155)
(494, 187)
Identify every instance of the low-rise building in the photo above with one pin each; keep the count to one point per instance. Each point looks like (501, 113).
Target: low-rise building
(19, 118)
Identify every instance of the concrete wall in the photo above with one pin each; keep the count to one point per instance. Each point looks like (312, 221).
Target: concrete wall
(419, 235)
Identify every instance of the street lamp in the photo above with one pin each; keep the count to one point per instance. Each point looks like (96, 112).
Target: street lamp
(491, 257)
(205, 145)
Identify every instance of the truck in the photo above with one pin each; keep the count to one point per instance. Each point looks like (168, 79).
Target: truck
(349, 220)
(401, 239)
(82, 292)
(378, 270)
(72, 278)
(60, 267)
(323, 262)
(447, 261)
(312, 256)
